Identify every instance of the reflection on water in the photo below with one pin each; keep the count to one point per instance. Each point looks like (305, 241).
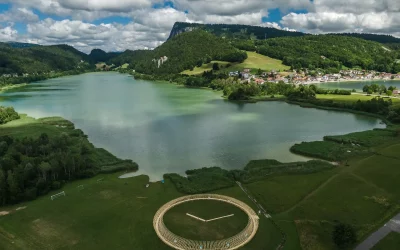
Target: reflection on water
(165, 128)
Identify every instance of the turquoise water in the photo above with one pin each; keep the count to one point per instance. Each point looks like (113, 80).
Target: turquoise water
(166, 128)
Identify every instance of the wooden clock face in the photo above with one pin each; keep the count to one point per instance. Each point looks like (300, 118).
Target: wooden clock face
(205, 220)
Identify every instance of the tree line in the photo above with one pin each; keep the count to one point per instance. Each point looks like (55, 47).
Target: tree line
(7, 114)
(34, 166)
(330, 52)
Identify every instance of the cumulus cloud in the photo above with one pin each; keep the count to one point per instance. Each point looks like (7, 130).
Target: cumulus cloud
(8, 34)
(19, 15)
(238, 7)
(149, 30)
(325, 22)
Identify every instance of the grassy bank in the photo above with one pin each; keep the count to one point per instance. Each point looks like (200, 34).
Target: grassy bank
(11, 86)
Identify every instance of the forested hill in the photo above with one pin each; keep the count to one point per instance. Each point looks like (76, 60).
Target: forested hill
(330, 52)
(41, 59)
(232, 30)
(387, 40)
(246, 32)
(186, 51)
(98, 55)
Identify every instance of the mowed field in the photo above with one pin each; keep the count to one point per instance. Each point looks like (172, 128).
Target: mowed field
(177, 220)
(364, 194)
(254, 61)
(109, 214)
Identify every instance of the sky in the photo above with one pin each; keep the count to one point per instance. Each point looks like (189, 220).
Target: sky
(117, 25)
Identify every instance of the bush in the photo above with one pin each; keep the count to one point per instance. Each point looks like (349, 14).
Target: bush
(344, 235)
(56, 185)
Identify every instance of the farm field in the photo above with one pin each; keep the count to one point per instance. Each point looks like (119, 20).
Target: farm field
(254, 61)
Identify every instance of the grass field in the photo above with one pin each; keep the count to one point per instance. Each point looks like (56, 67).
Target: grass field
(279, 193)
(254, 61)
(351, 98)
(109, 214)
(181, 224)
(204, 67)
(390, 242)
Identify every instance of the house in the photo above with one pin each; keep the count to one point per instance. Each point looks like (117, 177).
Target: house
(259, 81)
(396, 92)
(245, 76)
(246, 71)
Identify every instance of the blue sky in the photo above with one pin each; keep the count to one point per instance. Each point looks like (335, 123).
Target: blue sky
(132, 24)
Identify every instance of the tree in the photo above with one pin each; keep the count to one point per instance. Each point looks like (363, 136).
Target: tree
(344, 235)
(13, 187)
(382, 89)
(389, 92)
(3, 188)
(215, 66)
(259, 72)
(366, 88)
(44, 168)
(199, 63)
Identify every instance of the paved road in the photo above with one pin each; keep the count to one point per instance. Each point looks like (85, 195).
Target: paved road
(373, 239)
(263, 211)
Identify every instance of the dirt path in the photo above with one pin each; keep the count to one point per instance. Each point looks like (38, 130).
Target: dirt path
(311, 194)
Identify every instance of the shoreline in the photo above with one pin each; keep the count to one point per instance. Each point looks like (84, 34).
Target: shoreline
(12, 86)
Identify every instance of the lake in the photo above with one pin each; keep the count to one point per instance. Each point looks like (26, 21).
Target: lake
(358, 85)
(169, 129)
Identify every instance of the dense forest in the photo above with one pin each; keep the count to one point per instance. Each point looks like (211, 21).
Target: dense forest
(233, 31)
(33, 166)
(330, 52)
(187, 50)
(98, 55)
(41, 59)
(132, 57)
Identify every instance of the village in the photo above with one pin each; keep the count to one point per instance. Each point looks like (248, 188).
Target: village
(307, 77)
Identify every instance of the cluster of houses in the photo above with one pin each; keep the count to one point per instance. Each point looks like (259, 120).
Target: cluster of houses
(305, 77)
(14, 75)
(247, 77)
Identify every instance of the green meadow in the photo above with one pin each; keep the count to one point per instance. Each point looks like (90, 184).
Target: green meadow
(254, 62)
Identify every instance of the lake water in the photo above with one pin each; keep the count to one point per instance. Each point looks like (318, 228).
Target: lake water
(166, 128)
(358, 85)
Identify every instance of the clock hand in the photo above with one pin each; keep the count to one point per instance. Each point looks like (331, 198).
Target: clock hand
(222, 217)
(195, 217)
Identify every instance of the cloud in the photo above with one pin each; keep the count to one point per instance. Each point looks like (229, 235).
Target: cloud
(238, 7)
(106, 5)
(149, 30)
(382, 22)
(19, 15)
(8, 34)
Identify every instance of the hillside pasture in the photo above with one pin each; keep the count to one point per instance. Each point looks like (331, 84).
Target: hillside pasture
(254, 62)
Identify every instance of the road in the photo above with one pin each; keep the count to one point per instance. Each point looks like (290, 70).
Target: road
(261, 209)
(392, 226)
